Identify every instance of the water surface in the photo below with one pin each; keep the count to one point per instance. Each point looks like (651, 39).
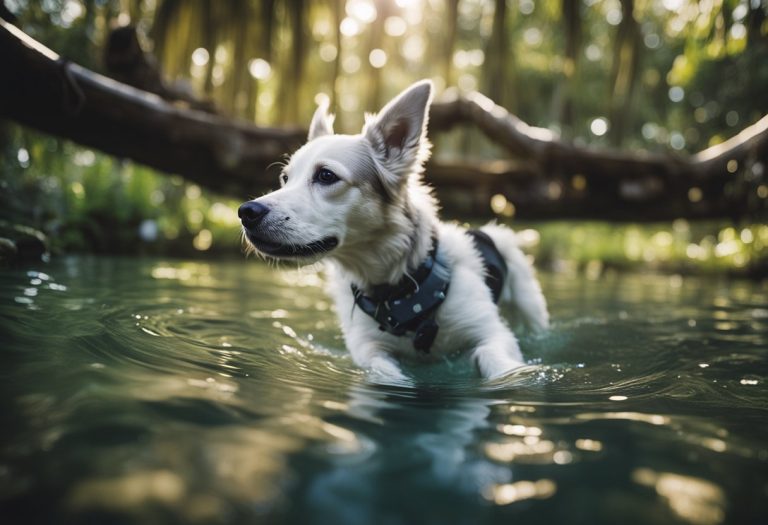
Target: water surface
(150, 391)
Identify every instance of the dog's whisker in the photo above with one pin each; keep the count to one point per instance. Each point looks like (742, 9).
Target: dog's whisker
(276, 163)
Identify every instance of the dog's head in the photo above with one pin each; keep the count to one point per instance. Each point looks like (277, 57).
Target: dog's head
(336, 189)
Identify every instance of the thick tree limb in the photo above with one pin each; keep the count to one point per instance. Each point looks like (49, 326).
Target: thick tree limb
(633, 185)
(42, 91)
(549, 178)
(127, 62)
(543, 147)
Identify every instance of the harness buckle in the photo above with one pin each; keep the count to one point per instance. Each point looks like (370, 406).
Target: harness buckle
(425, 335)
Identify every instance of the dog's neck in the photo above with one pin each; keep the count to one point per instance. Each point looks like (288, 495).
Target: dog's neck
(400, 248)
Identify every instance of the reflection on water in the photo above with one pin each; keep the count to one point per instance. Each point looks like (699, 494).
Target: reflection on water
(694, 500)
(148, 391)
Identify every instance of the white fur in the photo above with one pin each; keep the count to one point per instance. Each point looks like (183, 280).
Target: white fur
(383, 217)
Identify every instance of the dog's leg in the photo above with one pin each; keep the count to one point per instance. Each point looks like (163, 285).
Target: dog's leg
(378, 362)
(384, 368)
(498, 353)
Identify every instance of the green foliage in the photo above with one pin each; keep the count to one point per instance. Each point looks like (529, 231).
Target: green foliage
(681, 247)
(88, 201)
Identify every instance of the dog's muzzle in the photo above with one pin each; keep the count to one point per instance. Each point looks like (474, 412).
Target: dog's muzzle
(252, 214)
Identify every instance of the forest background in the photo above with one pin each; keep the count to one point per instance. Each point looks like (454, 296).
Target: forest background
(666, 77)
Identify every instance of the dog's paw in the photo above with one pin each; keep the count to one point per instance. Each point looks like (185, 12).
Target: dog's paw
(385, 371)
(539, 323)
(494, 363)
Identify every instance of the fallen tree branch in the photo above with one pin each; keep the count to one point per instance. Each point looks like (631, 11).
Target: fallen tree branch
(43, 91)
(127, 62)
(544, 148)
(720, 181)
(549, 178)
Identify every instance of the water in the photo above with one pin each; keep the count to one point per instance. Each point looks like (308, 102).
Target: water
(148, 391)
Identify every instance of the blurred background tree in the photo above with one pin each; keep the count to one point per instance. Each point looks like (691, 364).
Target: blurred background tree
(643, 75)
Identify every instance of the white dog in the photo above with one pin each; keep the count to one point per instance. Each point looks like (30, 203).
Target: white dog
(405, 284)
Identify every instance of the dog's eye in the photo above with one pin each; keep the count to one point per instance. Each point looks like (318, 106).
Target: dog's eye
(283, 179)
(325, 176)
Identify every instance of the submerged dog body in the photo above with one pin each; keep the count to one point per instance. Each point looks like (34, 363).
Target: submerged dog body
(358, 201)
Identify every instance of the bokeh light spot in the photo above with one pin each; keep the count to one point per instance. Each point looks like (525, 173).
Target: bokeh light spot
(599, 126)
(259, 69)
(377, 58)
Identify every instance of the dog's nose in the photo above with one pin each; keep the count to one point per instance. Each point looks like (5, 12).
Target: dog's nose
(251, 213)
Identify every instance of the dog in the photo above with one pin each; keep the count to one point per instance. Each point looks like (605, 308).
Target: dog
(406, 285)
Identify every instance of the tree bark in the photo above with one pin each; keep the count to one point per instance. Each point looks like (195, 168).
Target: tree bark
(547, 178)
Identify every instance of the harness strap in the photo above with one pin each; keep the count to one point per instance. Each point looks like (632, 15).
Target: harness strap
(495, 266)
(409, 307)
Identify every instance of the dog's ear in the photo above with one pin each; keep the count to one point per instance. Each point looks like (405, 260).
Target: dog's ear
(398, 134)
(322, 122)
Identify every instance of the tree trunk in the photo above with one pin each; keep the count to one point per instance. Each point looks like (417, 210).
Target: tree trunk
(497, 57)
(452, 19)
(290, 101)
(568, 86)
(267, 19)
(626, 61)
(238, 90)
(207, 29)
(338, 13)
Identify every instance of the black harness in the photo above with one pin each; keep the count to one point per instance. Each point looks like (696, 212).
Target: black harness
(409, 307)
(495, 265)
